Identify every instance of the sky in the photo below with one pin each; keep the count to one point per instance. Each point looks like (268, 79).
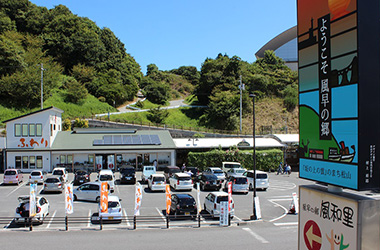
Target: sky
(179, 33)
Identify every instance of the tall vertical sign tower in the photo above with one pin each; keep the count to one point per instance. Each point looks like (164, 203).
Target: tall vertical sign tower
(339, 92)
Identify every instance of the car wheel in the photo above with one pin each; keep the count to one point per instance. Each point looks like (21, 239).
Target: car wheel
(98, 199)
(75, 198)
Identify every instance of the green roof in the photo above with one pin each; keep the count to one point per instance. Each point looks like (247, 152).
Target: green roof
(71, 140)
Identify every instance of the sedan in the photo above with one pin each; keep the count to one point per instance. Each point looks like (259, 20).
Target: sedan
(22, 211)
(183, 204)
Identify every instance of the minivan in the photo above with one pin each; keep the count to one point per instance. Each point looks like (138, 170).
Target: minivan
(262, 180)
(108, 176)
(60, 172)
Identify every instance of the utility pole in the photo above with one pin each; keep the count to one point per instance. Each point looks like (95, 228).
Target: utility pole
(241, 87)
(42, 86)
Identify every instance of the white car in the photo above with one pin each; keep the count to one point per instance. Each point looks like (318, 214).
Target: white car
(218, 172)
(262, 180)
(89, 191)
(236, 172)
(114, 212)
(212, 203)
(181, 181)
(36, 176)
(147, 172)
(22, 211)
(108, 176)
(239, 184)
(156, 182)
(60, 172)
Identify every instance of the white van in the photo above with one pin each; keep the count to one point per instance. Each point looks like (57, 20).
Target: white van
(226, 165)
(262, 180)
(108, 176)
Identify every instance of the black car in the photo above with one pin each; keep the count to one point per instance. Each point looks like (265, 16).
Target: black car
(208, 181)
(128, 175)
(183, 204)
(81, 176)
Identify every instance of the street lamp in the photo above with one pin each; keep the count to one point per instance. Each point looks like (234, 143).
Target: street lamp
(254, 215)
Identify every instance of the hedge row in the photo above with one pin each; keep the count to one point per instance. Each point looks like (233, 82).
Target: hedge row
(266, 160)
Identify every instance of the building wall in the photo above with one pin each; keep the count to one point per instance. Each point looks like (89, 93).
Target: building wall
(12, 156)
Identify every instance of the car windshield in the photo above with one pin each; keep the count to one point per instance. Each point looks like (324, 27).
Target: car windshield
(187, 200)
(10, 172)
(240, 181)
(184, 178)
(232, 166)
(261, 176)
(52, 180)
(221, 198)
(57, 172)
(112, 204)
(35, 174)
(217, 171)
(239, 171)
(128, 171)
(159, 179)
(211, 177)
(105, 178)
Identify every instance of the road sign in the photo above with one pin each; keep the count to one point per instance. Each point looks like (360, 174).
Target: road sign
(224, 213)
(312, 235)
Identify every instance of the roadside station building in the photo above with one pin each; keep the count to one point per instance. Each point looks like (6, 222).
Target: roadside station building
(36, 141)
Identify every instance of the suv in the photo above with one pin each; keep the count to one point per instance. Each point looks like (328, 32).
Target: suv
(208, 181)
(262, 180)
(12, 176)
(147, 172)
(170, 170)
(212, 203)
(128, 175)
(61, 172)
(108, 176)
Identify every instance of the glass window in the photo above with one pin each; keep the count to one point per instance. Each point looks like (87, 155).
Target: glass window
(90, 158)
(32, 129)
(25, 130)
(38, 129)
(70, 159)
(18, 130)
(32, 161)
(62, 159)
(39, 161)
(25, 162)
(51, 129)
(18, 162)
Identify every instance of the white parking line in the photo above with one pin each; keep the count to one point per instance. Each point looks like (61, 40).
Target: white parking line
(51, 219)
(286, 224)
(23, 183)
(258, 237)
(161, 214)
(89, 220)
(126, 217)
(285, 210)
(238, 218)
(6, 227)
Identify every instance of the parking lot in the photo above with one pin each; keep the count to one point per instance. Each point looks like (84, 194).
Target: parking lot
(274, 204)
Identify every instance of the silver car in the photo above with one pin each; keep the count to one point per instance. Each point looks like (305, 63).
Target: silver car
(89, 191)
(54, 184)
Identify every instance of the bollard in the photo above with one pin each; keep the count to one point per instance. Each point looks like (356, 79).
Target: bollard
(167, 221)
(66, 223)
(134, 222)
(30, 224)
(101, 223)
(199, 220)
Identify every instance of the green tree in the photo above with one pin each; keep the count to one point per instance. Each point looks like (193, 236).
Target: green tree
(66, 125)
(157, 115)
(157, 93)
(75, 91)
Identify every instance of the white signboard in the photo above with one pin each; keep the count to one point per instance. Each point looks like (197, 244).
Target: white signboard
(326, 221)
(69, 198)
(224, 213)
(32, 200)
(138, 197)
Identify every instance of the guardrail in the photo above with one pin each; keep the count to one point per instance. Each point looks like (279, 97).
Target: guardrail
(132, 222)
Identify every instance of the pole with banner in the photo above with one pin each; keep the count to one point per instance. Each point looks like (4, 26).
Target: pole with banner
(32, 200)
(138, 198)
(199, 207)
(68, 202)
(103, 200)
(229, 185)
(168, 203)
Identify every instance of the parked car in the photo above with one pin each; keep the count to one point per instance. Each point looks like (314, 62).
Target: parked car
(181, 181)
(208, 181)
(236, 172)
(81, 176)
(212, 203)
(216, 171)
(128, 175)
(12, 176)
(262, 180)
(108, 176)
(226, 165)
(156, 182)
(147, 172)
(61, 172)
(114, 212)
(54, 184)
(89, 191)
(239, 184)
(22, 210)
(183, 204)
(37, 176)
(170, 170)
